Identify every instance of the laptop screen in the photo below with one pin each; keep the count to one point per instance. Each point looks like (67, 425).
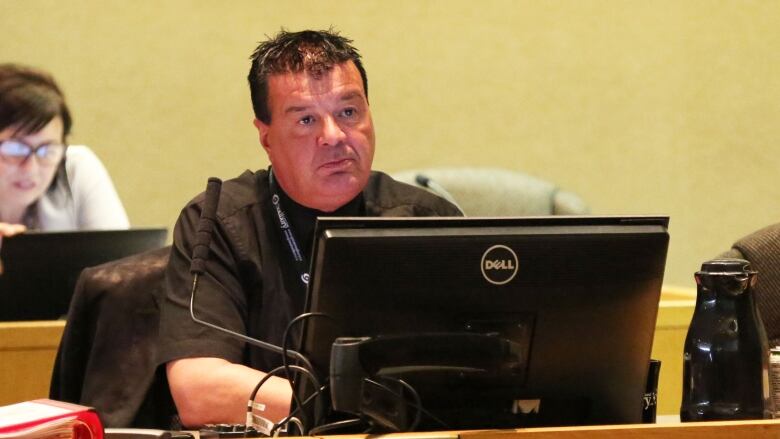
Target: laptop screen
(41, 268)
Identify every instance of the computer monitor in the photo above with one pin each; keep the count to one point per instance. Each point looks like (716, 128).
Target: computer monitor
(41, 268)
(495, 323)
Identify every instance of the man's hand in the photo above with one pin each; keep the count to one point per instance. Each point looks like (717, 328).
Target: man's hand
(213, 391)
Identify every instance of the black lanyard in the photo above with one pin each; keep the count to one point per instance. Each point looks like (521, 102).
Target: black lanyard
(301, 262)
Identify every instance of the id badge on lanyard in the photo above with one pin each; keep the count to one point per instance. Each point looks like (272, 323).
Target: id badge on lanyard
(288, 236)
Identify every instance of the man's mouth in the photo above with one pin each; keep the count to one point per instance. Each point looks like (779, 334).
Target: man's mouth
(336, 164)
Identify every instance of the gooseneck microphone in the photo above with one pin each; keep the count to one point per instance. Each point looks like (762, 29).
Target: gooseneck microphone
(436, 188)
(208, 216)
(200, 253)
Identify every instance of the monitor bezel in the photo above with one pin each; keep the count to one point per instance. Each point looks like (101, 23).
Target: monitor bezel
(564, 225)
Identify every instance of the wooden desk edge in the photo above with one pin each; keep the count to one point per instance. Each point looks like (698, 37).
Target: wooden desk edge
(754, 429)
(758, 429)
(44, 334)
(33, 324)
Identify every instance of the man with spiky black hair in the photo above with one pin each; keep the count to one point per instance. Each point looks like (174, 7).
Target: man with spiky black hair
(310, 98)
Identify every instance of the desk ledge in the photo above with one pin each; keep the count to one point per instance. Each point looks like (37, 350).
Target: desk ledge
(758, 429)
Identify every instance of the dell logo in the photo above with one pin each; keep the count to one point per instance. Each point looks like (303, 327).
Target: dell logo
(499, 264)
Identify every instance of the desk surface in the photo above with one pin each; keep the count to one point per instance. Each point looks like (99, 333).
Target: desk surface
(760, 429)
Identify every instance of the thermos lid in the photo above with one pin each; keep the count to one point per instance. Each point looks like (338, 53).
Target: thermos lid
(726, 265)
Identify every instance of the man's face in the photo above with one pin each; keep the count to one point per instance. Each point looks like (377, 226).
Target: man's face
(321, 138)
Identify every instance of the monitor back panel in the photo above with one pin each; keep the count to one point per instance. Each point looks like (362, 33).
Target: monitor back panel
(583, 301)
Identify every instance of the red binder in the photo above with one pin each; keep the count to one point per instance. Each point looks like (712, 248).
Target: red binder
(48, 419)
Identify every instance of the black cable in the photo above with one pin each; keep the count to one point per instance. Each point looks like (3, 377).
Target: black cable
(415, 395)
(274, 372)
(298, 409)
(417, 401)
(253, 395)
(335, 425)
(417, 405)
(285, 363)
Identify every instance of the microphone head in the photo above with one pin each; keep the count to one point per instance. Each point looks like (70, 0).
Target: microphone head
(208, 216)
(213, 188)
(422, 180)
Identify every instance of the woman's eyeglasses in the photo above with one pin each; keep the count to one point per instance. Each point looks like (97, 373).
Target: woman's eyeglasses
(16, 152)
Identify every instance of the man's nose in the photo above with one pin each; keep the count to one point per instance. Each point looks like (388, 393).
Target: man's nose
(332, 134)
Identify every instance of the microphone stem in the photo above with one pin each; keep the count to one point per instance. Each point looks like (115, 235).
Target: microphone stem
(293, 355)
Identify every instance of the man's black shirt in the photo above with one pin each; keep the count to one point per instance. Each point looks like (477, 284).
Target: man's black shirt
(251, 285)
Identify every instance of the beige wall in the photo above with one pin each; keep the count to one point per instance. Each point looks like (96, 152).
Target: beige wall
(642, 107)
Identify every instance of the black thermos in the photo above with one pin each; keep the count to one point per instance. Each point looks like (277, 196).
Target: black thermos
(726, 359)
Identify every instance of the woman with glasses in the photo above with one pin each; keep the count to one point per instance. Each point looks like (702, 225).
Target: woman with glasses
(44, 183)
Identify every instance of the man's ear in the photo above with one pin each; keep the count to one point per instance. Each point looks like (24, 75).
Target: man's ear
(262, 130)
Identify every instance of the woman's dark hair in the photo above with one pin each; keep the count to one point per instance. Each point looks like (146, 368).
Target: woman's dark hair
(30, 99)
(314, 52)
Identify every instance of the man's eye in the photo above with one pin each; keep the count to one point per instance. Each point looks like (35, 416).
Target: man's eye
(306, 120)
(348, 112)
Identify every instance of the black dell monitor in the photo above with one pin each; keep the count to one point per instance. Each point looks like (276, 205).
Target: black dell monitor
(470, 323)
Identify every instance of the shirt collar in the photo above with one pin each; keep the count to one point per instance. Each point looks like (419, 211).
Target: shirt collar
(303, 218)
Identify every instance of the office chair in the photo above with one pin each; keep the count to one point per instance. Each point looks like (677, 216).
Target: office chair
(495, 191)
(107, 358)
(762, 249)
